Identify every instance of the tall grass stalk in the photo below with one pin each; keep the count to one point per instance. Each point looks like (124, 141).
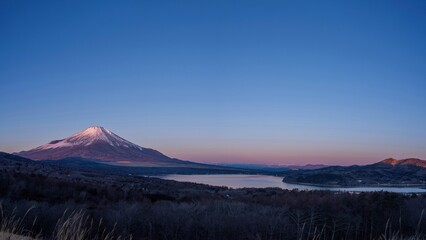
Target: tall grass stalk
(12, 227)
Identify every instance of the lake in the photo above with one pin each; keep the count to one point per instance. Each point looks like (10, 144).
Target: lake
(264, 181)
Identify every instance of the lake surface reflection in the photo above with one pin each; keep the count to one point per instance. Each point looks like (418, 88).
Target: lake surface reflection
(264, 181)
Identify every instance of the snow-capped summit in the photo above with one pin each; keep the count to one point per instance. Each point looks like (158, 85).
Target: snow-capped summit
(90, 136)
(97, 143)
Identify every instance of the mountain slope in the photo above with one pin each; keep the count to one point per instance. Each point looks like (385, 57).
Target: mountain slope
(98, 143)
(409, 161)
(389, 171)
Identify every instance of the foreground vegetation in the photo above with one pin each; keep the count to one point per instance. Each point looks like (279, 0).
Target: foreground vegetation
(45, 202)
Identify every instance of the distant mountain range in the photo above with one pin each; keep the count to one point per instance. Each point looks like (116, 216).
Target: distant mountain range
(98, 144)
(97, 148)
(390, 171)
(272, 168)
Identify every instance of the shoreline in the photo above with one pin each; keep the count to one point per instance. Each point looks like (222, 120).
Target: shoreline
(421, 186)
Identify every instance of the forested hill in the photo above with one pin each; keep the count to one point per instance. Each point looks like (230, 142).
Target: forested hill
(406, 172)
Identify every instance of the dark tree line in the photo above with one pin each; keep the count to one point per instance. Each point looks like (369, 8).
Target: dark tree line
(149, 208)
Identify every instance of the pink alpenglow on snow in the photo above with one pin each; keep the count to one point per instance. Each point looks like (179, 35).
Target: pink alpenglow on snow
(98, 143)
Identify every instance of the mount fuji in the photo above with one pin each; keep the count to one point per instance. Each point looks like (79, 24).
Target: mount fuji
(102, 145)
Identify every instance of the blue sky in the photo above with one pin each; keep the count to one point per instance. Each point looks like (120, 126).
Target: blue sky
(287, 82)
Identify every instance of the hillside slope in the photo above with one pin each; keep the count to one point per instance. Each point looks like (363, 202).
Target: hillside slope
(406, 172)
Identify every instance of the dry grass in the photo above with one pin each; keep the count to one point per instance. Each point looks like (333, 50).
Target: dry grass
(78, 226)
(11, 226)
(71, 226)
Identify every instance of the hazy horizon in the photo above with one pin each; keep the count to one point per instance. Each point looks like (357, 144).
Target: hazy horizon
(219, 81)
(246, 160)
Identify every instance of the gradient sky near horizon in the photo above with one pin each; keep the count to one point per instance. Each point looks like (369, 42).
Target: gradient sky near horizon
(275, 82)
